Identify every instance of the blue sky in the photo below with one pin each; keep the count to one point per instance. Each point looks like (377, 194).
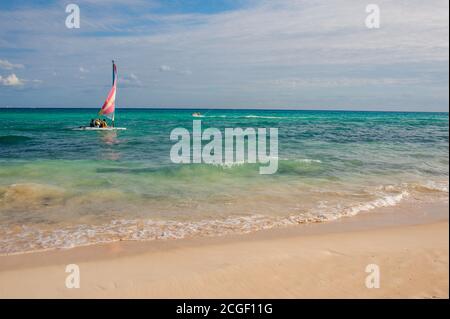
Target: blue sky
(302, 54)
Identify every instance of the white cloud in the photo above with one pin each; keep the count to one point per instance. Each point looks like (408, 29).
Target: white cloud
(165, 68)
(118, 2)
(11, 80)
(83, 70)
(185, 72)
(181, 71)
(5, 64)
(295, 83)
(131, 80)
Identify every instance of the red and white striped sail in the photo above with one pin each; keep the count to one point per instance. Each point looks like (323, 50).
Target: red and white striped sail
(108, 107)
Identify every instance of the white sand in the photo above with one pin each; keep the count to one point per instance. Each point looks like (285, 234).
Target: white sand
(413, 261)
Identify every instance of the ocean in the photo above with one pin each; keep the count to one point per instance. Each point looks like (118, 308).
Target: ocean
(61, 188)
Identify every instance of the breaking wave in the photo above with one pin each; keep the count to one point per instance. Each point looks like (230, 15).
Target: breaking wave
(21, 239)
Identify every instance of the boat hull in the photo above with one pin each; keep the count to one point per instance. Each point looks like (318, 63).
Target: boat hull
(88, 128)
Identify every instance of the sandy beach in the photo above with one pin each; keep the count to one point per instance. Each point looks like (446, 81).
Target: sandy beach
(409, 243)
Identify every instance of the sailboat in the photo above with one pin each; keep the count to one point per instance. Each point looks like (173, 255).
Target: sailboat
(108, 109)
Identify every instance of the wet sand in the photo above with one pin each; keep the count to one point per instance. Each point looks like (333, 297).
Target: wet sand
(409, 243)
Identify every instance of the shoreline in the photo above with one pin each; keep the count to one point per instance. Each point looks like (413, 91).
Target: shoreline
(152, 230)
(383, 216)
(408, 241)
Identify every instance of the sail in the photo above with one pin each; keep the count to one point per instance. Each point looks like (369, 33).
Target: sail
(109, 105)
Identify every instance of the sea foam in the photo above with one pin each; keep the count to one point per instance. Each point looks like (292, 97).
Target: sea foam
(21, 239)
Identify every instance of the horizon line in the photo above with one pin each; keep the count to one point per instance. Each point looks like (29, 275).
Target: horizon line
(222, 109)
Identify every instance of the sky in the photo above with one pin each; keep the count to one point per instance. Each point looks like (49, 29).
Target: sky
(268, 54)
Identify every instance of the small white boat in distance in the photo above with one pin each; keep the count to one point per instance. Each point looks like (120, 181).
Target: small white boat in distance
(197, 114)
(108, 110)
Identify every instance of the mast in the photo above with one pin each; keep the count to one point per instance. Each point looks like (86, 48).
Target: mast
(113, 76)
(109, 107)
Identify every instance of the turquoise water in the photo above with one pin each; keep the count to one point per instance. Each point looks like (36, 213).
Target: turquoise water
(61, 188)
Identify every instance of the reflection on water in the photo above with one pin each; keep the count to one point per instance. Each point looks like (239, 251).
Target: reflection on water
(109, 138)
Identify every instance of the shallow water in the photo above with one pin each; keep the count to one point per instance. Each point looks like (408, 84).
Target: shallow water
(62, 188)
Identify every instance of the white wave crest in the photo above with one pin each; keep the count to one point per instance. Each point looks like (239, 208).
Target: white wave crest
(28, 239)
